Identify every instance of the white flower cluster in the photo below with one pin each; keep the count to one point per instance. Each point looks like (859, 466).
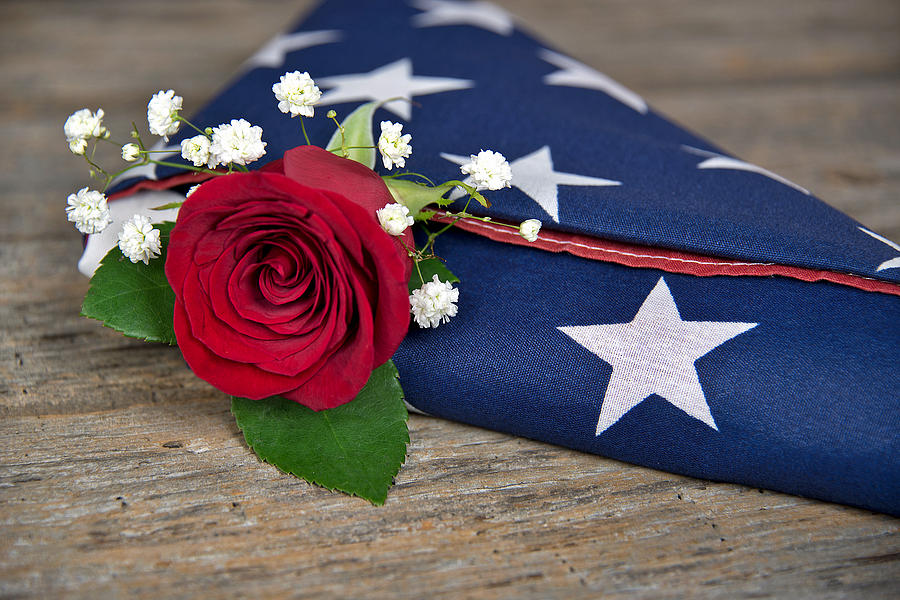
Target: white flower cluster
(433, 303)
(489, 170)
(237, 142)
(162, 113)
(196, 150)
(87, 209)
(394, 218)
(139, 241)
(296, 94)
(83, 125)
(393, 145)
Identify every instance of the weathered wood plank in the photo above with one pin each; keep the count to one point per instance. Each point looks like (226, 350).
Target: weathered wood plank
(148, 499)
(123, 475)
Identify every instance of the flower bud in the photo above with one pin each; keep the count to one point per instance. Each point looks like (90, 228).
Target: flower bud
(529, 229)
(131, 152)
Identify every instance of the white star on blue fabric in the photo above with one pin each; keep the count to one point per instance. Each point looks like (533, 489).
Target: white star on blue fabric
(394, 80)
(534, 175)
(485, 15)
(893, 263)
(272, 55)
(719, 161)
(159, 151)
(654, 354)
(575, 74)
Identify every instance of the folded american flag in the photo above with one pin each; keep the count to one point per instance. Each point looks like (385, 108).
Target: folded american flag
(682, 309)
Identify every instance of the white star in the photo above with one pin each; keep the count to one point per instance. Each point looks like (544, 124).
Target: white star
(654, 354)
(148, 171)
(273, 53)
(576, 74)
(477, 14)
(390, 81)
(893, 263)
(718, 161)
(534, 175)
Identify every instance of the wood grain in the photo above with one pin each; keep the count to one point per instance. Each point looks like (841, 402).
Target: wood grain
(122, 475)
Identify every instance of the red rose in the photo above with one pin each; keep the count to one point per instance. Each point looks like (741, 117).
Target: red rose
(284, 281)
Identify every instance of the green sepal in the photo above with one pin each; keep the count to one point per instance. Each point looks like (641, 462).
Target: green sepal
(428, 268)
(357, 132)
(134, 298)
(357, 448)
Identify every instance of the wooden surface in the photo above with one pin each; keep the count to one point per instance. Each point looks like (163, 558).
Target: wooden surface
(122, 475)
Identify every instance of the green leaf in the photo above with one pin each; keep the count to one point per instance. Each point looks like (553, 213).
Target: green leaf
(424, 215)
(430, 267)
(416, 196)
(169, 206)
(134, 298)
(357, 132)
(356, 448)
(474, 193)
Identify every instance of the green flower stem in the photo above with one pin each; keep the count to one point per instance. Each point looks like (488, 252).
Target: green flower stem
(416, 256)
(333, 116)
(164, 163)
(111, 177)
(429, 245)
(419, 271)
(465, 215)
(343, 149)
(95, 166)
(303, 128)
(113, 142)
(136, 135)
(399, 175)
(191, 125)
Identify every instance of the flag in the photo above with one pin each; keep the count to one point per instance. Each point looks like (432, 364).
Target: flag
(682, 309)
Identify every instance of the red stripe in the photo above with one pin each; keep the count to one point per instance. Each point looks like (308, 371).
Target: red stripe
(671, 261)
(191, 177)
(629, 255)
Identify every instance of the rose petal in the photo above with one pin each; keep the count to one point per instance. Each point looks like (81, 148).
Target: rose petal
(289, 287)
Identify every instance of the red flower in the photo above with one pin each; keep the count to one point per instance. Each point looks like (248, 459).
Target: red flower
(284, 281)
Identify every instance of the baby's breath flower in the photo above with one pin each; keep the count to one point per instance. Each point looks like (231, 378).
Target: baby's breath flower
(394, 147)
(296, 94)
(162, 113)
(83, 125)
(196, 150)
(489, 170)
(138, 240)
(192, 189)
(78, 146)
(238, 142)
(433, 303)
(394, 218)
(87, 209)
(529, 229)
(131, 152)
